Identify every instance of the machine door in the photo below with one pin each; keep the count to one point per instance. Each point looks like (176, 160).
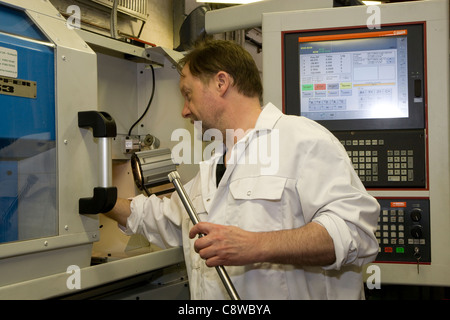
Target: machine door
(28, 196)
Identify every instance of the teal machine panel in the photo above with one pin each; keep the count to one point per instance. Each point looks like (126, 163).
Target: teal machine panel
(27, 130)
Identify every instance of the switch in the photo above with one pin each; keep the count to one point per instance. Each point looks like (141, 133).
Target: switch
(416, 214)
(417, 232)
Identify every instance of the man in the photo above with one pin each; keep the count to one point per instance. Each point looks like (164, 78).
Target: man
(299, 229)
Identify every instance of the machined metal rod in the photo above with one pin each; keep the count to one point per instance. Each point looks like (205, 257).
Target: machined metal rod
(174, 177)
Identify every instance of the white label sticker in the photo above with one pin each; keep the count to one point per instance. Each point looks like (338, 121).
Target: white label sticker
(8, 62)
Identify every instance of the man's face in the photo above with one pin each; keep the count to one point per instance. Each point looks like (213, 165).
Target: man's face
(199, 100)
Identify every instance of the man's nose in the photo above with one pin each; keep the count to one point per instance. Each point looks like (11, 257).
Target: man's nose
(185, 113)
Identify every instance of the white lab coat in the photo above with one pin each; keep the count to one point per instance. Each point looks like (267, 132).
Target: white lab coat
(314, 180)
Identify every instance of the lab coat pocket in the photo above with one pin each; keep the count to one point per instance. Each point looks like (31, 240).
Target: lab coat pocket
(195, 261)
(256, 203)
(197, 202)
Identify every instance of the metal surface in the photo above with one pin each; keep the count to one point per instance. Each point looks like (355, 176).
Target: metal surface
(105, 163)
(174, 177)
(54, 285)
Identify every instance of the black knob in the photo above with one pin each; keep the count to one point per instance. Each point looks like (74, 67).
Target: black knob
(416, 232)
(416, 214)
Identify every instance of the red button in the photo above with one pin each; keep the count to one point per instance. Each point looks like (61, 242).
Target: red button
(388, 249)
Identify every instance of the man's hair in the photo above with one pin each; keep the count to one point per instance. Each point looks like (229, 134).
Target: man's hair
(211, 56)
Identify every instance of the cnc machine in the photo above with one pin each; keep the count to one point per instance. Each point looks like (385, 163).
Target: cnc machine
(66, 111)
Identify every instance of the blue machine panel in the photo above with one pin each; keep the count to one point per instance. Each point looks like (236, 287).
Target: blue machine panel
(31, 116)
(27, 132)
(16, 22)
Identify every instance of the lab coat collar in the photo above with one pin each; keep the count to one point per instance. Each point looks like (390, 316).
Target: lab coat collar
(268, 117)
(265, 123)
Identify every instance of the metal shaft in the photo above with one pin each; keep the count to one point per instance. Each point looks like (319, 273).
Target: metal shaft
(174, 177)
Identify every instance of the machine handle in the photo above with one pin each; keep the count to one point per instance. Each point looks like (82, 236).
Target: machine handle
(174, 177)
(103, 201)
(104, 128)
(102, 124)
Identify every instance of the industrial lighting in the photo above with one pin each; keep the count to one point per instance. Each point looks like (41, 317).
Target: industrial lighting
(230, 1)
(372, 3)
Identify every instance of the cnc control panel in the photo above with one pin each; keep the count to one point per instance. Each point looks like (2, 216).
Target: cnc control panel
(403, 231)
(387, 159)
(380, 92)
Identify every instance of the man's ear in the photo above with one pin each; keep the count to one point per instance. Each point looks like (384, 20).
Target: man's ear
(223, 82)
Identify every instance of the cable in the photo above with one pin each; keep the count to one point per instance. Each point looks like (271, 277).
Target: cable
(149, 103)
(114, 32)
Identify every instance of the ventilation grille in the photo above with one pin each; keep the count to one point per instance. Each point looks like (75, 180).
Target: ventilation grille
(134, 8)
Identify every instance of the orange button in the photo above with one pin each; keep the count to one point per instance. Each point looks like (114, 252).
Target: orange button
(398, 204)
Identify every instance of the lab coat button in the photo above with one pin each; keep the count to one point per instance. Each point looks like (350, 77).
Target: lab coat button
(249, 193)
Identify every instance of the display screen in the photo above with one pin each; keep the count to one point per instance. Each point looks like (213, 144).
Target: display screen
(354, 76)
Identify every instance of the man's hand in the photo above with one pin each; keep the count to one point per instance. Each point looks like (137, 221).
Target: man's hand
(224, 245)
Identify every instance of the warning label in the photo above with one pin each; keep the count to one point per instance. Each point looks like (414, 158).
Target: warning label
(8, 62)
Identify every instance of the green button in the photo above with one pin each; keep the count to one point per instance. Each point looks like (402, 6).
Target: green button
(400, 250)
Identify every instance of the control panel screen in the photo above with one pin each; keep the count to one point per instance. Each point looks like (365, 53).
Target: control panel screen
(354, 75)
(356, 78)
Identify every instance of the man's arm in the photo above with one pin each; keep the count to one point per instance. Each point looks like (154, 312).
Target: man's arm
(227, 245)
(120, 212)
